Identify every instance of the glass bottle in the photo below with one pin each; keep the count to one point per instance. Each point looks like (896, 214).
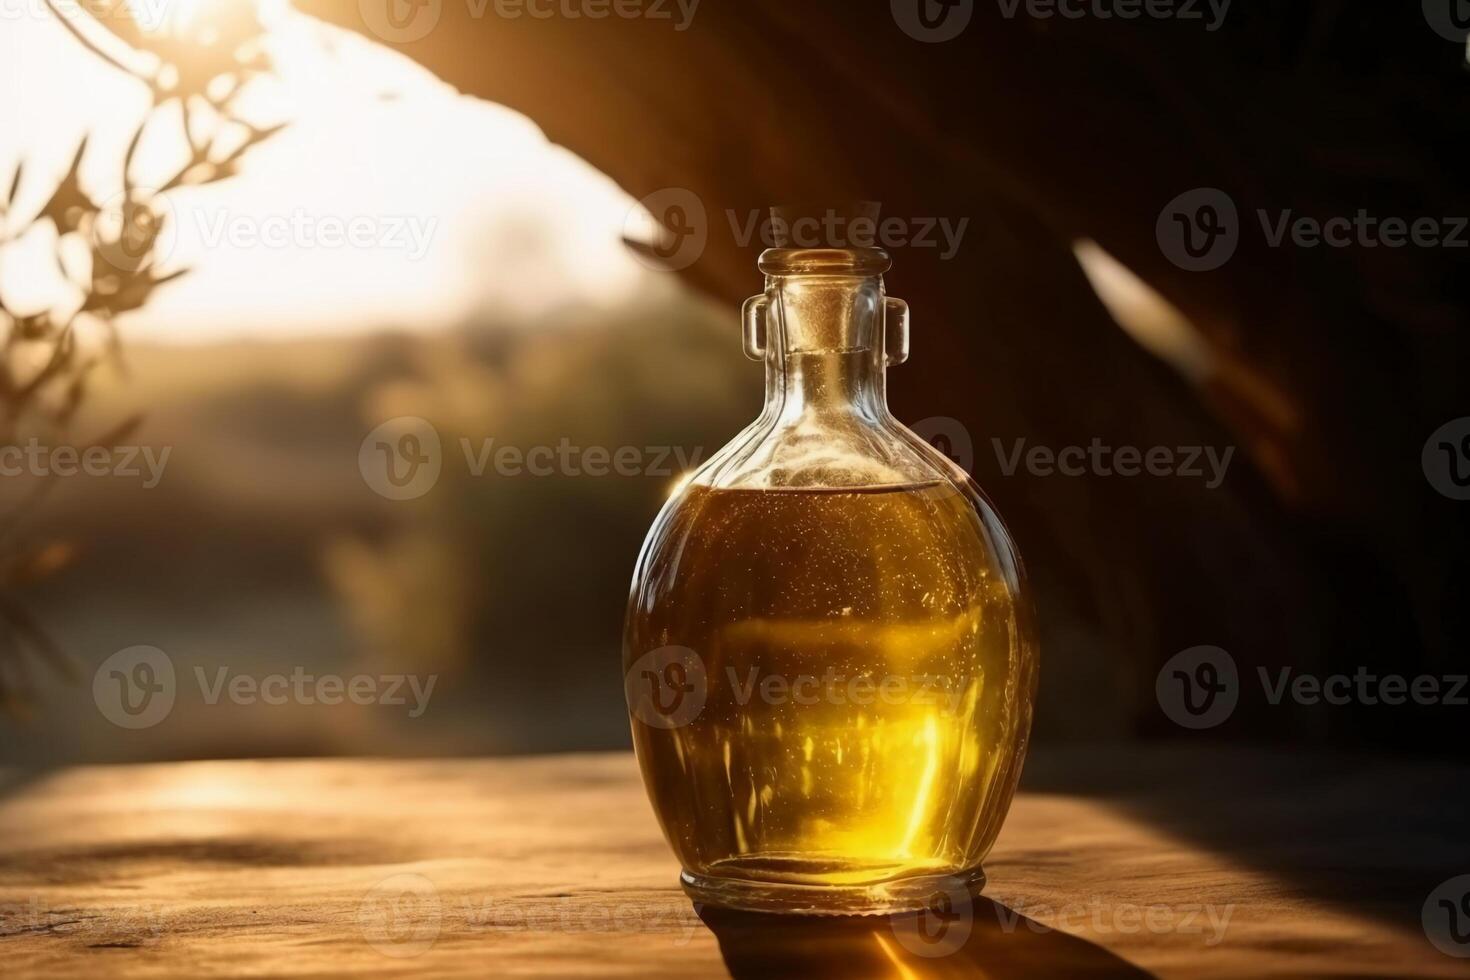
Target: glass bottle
(828, 653)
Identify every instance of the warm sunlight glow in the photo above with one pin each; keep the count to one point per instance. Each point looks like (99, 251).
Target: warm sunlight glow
(175, 17)
(900, 969)
(389, 201)
(191, 19)
(679, 484)
(1143, 312)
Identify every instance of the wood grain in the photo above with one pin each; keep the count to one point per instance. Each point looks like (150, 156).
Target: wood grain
(555, 866)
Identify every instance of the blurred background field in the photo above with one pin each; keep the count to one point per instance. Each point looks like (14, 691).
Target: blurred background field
(262, 547)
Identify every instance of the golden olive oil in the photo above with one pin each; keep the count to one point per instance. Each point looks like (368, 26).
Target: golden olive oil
(858, 689)
(827, 656)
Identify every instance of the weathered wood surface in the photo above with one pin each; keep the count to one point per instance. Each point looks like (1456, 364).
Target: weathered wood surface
(554, 866)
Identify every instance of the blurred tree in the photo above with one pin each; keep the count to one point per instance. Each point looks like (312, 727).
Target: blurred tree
(107, 251)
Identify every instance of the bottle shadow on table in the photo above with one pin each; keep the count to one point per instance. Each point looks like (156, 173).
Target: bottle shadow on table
(1368, 834)
(985, 940)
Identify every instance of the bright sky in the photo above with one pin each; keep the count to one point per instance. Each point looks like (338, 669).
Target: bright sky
(450, 203)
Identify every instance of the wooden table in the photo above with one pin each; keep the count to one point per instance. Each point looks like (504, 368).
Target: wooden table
(1124, 862)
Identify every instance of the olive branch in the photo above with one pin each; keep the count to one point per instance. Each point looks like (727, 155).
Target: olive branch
(107, 251)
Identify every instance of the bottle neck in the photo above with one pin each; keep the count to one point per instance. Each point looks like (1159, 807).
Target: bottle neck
(826, 352)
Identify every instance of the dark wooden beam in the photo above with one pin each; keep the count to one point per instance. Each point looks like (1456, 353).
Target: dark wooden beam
(1325, 547)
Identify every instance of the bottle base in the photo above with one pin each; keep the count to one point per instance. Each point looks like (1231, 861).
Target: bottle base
(908, 894)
